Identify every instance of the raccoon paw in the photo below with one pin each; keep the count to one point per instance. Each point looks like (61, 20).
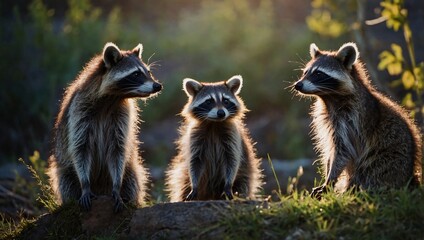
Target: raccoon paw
(191, 196)
(119, 203)
(85, 201)
(318, 191)
(227, 194)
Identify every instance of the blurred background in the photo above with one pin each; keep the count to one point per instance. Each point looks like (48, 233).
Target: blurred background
(44, 44)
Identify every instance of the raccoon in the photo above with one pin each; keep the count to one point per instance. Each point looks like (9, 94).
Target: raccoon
(216, 157)
(95, 146)
(364, 139)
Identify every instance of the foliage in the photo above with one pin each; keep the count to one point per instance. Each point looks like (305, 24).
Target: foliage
(327, 20)
(43, 56)
(411, 74)
(39, 193)
(248, 50)
(45, 194)
(33, 198)
(278, 190)
(390, 215)
(10, 229)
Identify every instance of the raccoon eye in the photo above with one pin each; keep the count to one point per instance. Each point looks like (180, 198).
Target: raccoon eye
(135, 74)
(226, 101)
(209, 102)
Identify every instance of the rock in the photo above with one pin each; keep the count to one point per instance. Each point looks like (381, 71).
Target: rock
(178, 220)
(101, 219)
(182, 220)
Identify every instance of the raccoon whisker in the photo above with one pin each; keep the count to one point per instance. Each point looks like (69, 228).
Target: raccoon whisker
(301, 63)
(291, 86)
(294, 92)
(202, 118)
(148, 60)
(153, 65)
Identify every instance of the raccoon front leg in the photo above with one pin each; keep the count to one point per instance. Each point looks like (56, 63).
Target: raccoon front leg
(347, 145)
(116, 170)
(69, 186)
(336, 167)
(230, 173)
(82, 166)
(196, 170)
(80, 148)
(318, 191)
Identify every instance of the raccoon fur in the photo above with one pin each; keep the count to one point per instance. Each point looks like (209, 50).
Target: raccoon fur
(95, 146)
(364, 139)
(216, 158)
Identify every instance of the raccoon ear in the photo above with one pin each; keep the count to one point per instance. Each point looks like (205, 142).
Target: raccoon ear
(234, 84)
(348, 54)
(191, 87)
(138, 50)
(111, 54)
(314, 50)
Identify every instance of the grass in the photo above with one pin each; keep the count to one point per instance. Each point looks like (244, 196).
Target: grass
(397, 214)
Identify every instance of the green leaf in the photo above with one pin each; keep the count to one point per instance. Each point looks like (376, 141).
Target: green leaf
(397, 50)
(386, 58)
(408, 102)
(391, 61)
(419, 75)
(394, 13)
(408, 80)
(325, 24)
(35, 157)
(394, 68)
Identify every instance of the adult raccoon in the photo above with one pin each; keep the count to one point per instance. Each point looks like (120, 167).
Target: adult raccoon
(356, 129)
(215, 157)
(95, 145)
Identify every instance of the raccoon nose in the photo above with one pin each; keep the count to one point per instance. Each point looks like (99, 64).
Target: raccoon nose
(157, 87)
(298, 86)
(220, 113)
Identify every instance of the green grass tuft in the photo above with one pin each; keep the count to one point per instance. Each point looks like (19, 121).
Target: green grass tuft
(396, 214)
(45, 195)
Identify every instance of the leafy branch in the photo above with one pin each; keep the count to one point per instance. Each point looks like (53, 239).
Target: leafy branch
(411, 74)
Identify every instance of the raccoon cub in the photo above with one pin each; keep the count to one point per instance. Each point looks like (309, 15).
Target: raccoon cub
(216, 158)
(356, 129)
(95, 145)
